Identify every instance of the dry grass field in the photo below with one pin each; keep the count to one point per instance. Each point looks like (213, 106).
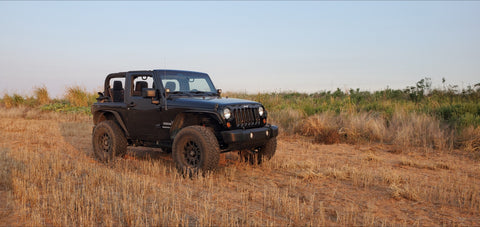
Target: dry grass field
(48, 176)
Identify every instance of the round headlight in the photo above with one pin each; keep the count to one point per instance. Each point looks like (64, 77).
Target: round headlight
(226, 113)
(260, 111)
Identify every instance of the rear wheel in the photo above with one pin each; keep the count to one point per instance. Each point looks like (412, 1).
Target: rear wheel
(195, 148)
(259, 154)
(108, 141)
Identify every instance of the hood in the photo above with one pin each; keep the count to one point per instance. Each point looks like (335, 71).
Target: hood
(208, 102)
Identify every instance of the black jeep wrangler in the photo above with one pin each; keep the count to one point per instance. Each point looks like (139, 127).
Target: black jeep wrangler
(180, 112)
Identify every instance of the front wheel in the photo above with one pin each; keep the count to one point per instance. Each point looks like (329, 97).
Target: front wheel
(108, 141)
(261, 153)
(195, 148)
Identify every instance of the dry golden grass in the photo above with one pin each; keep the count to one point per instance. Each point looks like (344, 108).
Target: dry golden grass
(411, 129)
(323, 127)
(77, 96)
(404, 130)
(469, 139)
(289, 119)
(41, 95)
(14, 100)
(330, 128)
(49, 177)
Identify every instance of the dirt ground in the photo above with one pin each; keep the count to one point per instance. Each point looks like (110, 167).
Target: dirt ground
(305, 183)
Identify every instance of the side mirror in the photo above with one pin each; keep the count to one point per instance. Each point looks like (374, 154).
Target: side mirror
(219, 92)
(148, 93)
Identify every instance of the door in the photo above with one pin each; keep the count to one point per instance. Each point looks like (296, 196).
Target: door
(145, 119)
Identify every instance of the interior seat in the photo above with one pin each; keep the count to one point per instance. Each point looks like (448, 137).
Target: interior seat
(117, 91)
(139, 86)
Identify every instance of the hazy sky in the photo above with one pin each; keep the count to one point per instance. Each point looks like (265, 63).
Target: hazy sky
(244, 46)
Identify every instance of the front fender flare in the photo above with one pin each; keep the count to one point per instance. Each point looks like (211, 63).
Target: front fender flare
(180, 120)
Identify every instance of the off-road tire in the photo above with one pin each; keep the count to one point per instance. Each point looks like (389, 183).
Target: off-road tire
(260, 154)
(108, 141)
(195, 148)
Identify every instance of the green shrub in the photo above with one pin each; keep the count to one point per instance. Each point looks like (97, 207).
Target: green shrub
(65, 107)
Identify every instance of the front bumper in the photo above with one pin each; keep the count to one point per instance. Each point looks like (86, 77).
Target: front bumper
(250, 136)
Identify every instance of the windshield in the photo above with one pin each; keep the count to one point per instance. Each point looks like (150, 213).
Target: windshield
(187, 82)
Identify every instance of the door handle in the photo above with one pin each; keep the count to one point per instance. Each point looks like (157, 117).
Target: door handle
(132, 104)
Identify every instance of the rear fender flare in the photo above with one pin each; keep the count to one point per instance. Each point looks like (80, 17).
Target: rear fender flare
(117, 116)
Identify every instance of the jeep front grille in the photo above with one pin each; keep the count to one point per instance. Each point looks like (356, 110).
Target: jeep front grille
(246, 117)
